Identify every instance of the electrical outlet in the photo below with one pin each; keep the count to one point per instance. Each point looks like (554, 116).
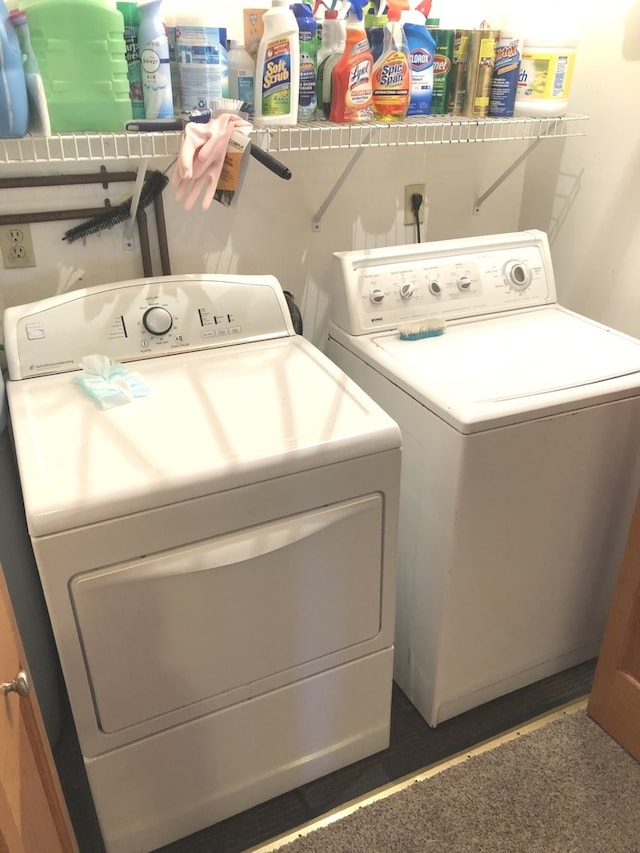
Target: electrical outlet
(17, 248)
(409, 216)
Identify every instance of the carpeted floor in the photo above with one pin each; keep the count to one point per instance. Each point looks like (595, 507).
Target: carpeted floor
(565, 787)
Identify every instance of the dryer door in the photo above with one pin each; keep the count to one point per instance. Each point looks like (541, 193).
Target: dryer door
(261, 607)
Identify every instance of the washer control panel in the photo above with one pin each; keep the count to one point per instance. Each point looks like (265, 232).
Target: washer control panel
(388, 287)
(142, 318)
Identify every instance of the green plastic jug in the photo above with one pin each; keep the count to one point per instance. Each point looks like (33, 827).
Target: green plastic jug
(80, 48)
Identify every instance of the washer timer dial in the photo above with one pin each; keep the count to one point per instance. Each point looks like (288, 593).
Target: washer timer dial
(157, 320)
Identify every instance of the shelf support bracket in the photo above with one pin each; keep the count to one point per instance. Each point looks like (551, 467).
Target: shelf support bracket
(315, 223)
(494, 186)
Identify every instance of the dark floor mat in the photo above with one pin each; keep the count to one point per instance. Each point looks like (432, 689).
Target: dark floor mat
(414, 745)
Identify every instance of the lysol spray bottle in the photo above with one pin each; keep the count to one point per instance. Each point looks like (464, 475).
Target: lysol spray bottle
(422, 49)
(352, 79)
(154, 57)
(392, 71)
(308, 38)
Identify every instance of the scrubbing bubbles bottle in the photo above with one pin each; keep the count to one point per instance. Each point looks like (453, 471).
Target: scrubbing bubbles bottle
(351, 97)
(392, 71)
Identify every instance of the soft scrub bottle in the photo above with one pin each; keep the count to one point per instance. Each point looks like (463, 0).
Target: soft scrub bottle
(353, 74)
(278, 68)
(392, 71)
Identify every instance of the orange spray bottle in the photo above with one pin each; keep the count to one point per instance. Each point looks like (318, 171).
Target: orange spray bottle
(392, 71)
(351, 80)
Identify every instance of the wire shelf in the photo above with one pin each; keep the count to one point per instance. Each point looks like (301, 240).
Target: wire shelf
(311, 136)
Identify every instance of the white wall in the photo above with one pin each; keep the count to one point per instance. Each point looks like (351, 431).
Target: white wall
(269, 230)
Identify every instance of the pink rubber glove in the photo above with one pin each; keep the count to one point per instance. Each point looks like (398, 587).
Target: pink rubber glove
(201, 157)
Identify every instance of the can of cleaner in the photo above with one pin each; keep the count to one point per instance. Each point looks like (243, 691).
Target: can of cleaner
(480, 65)
(458, 72)
(504, 83)
(442, 64)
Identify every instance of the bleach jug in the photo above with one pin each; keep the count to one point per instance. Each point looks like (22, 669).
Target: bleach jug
(14, 108)
(201, 51)
(81, 53)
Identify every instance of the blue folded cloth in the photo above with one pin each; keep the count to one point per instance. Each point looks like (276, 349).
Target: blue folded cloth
(110, 383)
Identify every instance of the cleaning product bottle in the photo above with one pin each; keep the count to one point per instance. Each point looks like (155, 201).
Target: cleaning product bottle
(375, 22)
(392, 71)
(81, 53)
(352, 79)
(506, 71)
(169, 12)
(422, 50)
(549, 47)
(278, 68)
(308, 43)
(203, 63)
(331, 49)
(442, 64)
(242, 74)
(131, 15)
(38, 111)
(154, 57)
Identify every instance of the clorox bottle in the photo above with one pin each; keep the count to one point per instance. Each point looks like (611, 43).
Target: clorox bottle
(351, 96)
(392, 71)
(422, 50)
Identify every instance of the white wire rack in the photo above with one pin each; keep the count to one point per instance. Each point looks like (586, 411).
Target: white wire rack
(311, 136)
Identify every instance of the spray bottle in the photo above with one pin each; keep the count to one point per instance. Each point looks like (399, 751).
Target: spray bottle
(392, 71)
(353, 74)
(422, 50)
(308, 95)
(331, 49)
(375, 22)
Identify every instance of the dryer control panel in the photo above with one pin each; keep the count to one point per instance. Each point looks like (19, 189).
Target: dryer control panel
(142, 318)
(390, 287)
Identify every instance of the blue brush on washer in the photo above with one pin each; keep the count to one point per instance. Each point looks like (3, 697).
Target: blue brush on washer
(429, 327)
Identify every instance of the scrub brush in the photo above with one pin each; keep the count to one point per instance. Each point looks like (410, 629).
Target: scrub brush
(151, 189)
(429, 327)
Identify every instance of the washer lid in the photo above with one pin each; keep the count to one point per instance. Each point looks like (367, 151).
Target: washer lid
(507, 369)
(215, 420)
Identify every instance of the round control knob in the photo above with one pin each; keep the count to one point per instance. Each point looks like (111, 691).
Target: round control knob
(157, 320)
(376, 295)
(518, 275)
(406, 291)
(464, 282)
(435, 288)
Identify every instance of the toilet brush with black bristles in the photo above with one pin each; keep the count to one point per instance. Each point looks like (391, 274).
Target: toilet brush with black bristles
(151, 189)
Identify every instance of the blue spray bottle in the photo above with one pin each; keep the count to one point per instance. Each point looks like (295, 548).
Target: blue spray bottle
(14, 103)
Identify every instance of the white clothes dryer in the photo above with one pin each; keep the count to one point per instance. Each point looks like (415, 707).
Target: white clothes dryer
(217, 557)
(520, 427)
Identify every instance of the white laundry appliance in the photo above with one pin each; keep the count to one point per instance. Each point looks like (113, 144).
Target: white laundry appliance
(217, 557)
(520, 467)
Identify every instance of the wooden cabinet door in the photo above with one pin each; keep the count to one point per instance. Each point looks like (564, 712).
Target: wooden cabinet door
(33, 813)
(614, 702)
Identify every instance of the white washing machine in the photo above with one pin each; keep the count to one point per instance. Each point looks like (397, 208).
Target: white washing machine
(521, 428)
(217, 557)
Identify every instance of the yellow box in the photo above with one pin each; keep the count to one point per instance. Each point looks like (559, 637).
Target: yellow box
(253, 29)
